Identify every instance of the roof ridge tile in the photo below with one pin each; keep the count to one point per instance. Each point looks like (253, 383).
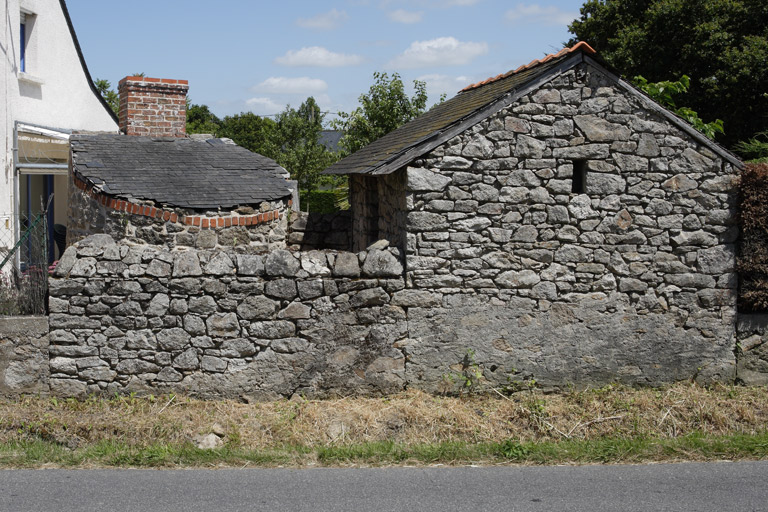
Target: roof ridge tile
(581, 46)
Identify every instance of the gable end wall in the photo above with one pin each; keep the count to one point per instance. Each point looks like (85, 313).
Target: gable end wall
(633, 281)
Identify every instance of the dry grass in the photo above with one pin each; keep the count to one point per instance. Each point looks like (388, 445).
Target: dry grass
(408, 419)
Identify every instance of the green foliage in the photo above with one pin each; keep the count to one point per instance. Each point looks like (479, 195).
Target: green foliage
(249, 131)
(755, 149)
(468, 378)
(292, 139)
(514, 450)
(109, 94)
(318, 201)
(201, 120)
(664, 92)
(752, 258)
(721, 44)
(295, 144)
(384, 108)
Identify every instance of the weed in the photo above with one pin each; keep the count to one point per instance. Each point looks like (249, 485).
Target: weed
(468, 376)
(514, 450)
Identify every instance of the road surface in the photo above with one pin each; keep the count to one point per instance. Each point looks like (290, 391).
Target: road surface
(718, 487)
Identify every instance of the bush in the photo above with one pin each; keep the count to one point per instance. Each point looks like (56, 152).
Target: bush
(752, 259)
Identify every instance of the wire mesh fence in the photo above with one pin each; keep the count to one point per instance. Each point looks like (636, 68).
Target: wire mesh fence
(23, 264)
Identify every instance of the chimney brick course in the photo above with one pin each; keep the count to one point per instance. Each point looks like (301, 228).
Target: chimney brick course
(154, 107)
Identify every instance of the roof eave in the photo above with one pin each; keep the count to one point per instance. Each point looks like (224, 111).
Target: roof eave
(433, 140)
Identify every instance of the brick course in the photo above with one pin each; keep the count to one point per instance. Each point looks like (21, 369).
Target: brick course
(154, 107)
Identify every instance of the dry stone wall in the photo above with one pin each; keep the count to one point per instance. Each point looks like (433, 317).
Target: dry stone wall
(23, 355)
(308, 231)
(129, 317)
(575, 237)
(247, 229)
(629, 276)
(752, 349)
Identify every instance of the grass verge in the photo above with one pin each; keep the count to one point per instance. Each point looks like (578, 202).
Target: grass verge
(608, 425)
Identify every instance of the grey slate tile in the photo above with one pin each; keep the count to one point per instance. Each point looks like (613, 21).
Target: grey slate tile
(175, 172)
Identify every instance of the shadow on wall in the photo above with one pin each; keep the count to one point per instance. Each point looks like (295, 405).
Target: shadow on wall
(313, 231)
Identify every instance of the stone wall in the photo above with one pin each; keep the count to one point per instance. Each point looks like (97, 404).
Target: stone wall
(248, 229)
(364, 204)
(308, 231)
(752, 349)
(632, 279)
(127, 317)
(23, 355)
(495, 259)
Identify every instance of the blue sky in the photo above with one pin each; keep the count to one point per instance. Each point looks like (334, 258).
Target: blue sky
(249, 55)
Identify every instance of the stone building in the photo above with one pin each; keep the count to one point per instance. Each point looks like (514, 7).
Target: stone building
(559, 225)
(152, 184)
(550, 224)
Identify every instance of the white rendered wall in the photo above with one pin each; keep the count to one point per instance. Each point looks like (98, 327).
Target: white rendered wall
(54, 92)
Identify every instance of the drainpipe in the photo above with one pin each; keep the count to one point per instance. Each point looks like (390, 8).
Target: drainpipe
(16, 192)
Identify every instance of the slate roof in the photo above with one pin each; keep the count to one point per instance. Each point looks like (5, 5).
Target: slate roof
(431, 124)
(330, 139)
(178, 172)
(474, 103)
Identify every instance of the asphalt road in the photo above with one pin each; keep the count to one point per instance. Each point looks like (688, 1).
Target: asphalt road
(724, 486)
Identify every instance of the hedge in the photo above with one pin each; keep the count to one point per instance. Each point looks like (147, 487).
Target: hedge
(752, 258)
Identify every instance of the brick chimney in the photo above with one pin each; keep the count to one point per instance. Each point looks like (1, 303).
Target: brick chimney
(156, 107)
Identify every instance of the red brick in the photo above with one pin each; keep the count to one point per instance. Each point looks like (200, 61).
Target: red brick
(196, 221)
(205, 223)
(166, 216)
(174, 218)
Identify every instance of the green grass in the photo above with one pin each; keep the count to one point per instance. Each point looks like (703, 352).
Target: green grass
(695, 446)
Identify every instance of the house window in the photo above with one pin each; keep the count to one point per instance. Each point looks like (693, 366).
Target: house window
(23, 43)
(26, 42)
(579, 183)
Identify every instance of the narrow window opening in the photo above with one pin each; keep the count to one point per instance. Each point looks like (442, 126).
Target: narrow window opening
(23, 43)
(579, 183)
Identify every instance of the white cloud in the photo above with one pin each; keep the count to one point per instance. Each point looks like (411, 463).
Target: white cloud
(537, 13)
(319, 57)
(444, 84)
(324, 21)
(264, 106)
(406, 17)
(285, 85)
(443, 51)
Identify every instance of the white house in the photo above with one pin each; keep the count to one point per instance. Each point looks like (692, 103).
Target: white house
(47, 94)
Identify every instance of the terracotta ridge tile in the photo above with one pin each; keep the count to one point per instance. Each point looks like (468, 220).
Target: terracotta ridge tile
(581, 45)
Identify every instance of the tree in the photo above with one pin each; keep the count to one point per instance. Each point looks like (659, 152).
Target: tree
(384, 108)
(109, 94)
(721, 44)
(665, 92)
(201, 120)
(249, 131)
(296, 143)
